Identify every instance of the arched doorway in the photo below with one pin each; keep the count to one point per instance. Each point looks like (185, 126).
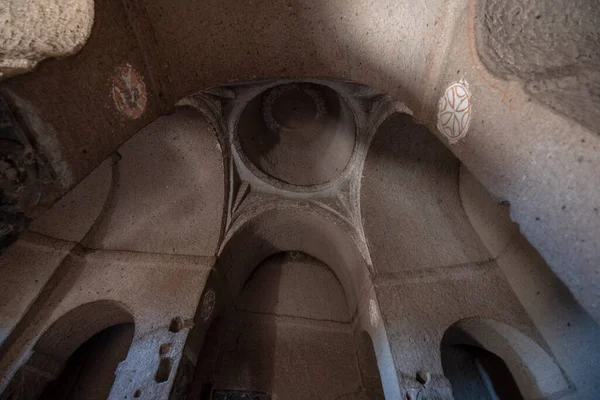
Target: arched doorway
(77, 355)
(476, 373)
(89, 372)
(485, 359)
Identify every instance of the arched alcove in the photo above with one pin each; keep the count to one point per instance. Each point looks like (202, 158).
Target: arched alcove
(291, 311)
(478, 374)
(77, 355)
(89, 372)
(409, 181)
(293, 227)
(297, 285)
(484, 358)
(295, 276)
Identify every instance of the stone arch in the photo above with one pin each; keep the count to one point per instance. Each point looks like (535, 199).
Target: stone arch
(79, 324)
(66, 336)
(294, 227)
(535, 372)
(284, 234)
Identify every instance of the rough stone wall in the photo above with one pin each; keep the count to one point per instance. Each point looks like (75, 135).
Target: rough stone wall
(93, 246)
(548, 174)
(80, 96)
(427, 263)
(552, 47)
(432, 268)
(33, 30)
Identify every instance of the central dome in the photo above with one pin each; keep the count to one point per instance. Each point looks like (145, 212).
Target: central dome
(298, 133)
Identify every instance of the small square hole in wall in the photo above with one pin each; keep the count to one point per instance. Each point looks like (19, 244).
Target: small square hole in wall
(164, 349)
(164, 370)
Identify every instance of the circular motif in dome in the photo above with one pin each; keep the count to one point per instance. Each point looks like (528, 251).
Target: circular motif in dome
(300, 133)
